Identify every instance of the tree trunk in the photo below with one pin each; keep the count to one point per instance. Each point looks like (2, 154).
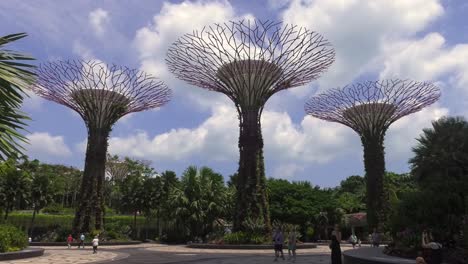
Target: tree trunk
(31, 227)
(251, 185)
(134, 223)
(91, 184)
(7, 211)
(374, 163)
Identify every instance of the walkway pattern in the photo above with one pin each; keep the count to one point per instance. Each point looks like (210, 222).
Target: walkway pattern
(154, 253)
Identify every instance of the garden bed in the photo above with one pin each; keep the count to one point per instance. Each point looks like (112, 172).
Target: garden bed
(371, 255)
(245, 246)
(21, 254)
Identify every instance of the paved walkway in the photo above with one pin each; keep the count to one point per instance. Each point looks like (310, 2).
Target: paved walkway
(164, 254)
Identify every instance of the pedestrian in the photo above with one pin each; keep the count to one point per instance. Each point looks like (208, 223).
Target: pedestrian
(336, 232)
(375, 238)
(69, 240)
(335, 250)
(278, 239)
(82, 239)
(353, 240)
(420, 258)
(292, 240)
(95, 244)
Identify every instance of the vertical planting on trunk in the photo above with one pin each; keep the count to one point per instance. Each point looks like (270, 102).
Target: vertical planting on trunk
(101, 94)
(369, 108)
(249, 61)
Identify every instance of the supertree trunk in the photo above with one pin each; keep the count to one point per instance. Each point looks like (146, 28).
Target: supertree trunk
(251, 185)
(93, 176)
(262, 187)
(374, 164)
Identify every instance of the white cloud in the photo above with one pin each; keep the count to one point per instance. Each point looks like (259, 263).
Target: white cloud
(287, 171)
(358, 29)
(44, 144)
(287, 147)
(426, 59)
(32, 101)
(84, 52)
(173, 21)
(401, 136)
(99, 19)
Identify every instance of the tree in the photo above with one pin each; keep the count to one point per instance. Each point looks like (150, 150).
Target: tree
(440, 166)
(250, 61)
(15, 76)
(101, 94)
(15, 185)
(199, 200)
(41, 194)
(369, 108)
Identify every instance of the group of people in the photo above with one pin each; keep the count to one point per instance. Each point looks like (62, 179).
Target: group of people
(81, 242)
(278, 239)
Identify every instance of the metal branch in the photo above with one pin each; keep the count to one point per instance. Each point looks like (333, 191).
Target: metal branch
(371, 107)
(100, 93)
(250, 61)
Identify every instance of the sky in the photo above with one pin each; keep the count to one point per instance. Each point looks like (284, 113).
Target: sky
(423, 40)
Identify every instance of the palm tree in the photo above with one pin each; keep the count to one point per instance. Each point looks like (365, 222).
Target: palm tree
(440, 162)
(199, 201)
(14, 78)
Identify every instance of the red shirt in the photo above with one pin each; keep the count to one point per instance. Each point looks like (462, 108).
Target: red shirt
(70, 239)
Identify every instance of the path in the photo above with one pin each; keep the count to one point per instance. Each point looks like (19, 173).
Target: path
(163, 254)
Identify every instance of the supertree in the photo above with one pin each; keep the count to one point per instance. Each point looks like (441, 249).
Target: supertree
(370, 108)
(249, 61)
(101, 94)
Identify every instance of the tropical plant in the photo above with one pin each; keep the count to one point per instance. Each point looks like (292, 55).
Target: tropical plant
(199, 201)
(12, 239)
(15, 186)
(15, 76)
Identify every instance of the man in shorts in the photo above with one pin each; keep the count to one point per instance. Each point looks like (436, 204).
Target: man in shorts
(278, 239)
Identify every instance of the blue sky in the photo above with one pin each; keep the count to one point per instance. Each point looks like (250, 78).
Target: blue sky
(419, 39)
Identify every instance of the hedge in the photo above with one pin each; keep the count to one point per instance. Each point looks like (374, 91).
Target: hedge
(23, 220)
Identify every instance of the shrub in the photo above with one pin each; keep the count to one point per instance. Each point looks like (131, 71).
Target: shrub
(310, 232)
(244, 238)
(57, 209)
(254, 226)
(236, 238)
(12, 238)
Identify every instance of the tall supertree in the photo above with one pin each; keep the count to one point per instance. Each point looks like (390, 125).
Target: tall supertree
(370, 108)
(249, 61)
(101, 94)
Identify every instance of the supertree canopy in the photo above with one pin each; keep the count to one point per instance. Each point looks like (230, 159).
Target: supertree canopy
(369, 108)
(249, 61)
(101, 94)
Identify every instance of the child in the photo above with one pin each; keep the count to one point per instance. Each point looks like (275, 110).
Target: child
(292, 240)
(82, 239)
(69, 240)
(420, 259)
(95, 244)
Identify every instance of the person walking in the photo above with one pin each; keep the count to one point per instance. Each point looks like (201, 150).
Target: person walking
(335, 250)
(69, 240)
(278, 239)
(95, 244)
(292, 240)
(336, 232)
(82, 239)
(353, 240)
(375, 238)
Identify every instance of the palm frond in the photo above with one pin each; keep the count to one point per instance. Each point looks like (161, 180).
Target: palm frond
(15, 77)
